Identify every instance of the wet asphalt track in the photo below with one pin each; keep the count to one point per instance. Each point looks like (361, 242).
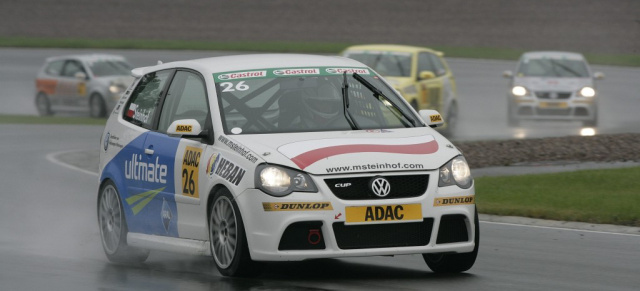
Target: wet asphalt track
(481, 92)
(49, 240)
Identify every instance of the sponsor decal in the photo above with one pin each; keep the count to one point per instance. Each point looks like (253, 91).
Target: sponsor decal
(297, 206)
(136, 169)
(132, 110)
(111, 140)
(139, 201)
(238, 148)
(306, 153)
(377, 166)
(82, 89)
(450, 201)
(190, 166)
(211, 164)
(377, 131)
(241, 75)
(184, 128)
(360, 71)
(383, 213)
(230, 171)
(166, 215)
(296, 71)
(435, 118)
(338, 216)
(342, 185)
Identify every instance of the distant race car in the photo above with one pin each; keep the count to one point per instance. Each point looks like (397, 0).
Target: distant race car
(421, 75)
(280, 157)
(92, 82)
(552, 86)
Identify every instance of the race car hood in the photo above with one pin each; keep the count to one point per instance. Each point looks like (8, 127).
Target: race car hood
(552, 84)
(353, 151)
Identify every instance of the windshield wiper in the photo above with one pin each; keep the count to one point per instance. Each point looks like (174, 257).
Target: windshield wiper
(377, 93)
(564, 67)
(345, 102)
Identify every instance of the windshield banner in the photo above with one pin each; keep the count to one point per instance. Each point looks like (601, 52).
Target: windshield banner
(287, 72)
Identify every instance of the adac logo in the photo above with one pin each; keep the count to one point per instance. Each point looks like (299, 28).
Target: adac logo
(139, 201)
(105, 143)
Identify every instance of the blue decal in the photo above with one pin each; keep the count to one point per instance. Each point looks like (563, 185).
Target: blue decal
(146, 183)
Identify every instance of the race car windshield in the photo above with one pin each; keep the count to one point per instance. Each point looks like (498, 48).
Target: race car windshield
(307, 102)
(105, 68)
(548, 67)
(391, 64)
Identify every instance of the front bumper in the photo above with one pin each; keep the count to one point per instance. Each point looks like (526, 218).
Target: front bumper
(534, 108)
(266, 230)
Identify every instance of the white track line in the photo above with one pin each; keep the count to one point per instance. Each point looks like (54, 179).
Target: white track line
(560, 228)
(52, 157)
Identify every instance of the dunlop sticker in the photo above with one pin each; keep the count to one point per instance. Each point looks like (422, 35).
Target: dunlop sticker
(450, 201)
(297, 206)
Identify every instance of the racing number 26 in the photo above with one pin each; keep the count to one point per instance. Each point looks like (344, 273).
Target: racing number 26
(190, 164)
(188, 183)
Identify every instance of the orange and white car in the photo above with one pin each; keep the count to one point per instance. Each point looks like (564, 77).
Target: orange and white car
(92, 82)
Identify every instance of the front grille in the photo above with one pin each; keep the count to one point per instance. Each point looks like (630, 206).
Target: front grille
(554, 112)
(553, 95)
(391, 235)
(359, 188)
(453, 228)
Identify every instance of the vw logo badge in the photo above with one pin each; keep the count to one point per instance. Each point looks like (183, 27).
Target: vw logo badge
(380, 187)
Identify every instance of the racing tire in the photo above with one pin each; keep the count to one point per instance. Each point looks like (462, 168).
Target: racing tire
(228, 240)
(97, 107)
(452, 120)
(593, 122)
(113, 228)
(455, 263)
(43, 105)
(512, 121)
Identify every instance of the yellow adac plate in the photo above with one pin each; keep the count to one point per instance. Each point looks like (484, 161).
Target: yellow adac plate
(383, 213)
(435, 118)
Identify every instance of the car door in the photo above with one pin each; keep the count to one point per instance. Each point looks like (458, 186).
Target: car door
(147, 174)
(186, 99)
(72, 90)
(429, 89)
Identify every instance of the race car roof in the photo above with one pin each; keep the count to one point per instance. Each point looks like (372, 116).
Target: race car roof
(88, 57)
(391, 47)
(553, 55)
(252, 61)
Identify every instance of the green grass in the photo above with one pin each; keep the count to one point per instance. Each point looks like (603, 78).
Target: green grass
(279, 46)
(28, 119)
(594, 196)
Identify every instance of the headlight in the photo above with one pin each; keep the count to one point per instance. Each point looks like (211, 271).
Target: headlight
(519, 91)
(280, 181)
(455, 172)
(587, 92)
(116, 89)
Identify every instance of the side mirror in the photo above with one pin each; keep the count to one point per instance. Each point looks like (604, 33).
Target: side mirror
(598, 75)
(431, 117)
(185, 127)
(426, 75)
(507, 74)
(80, 76)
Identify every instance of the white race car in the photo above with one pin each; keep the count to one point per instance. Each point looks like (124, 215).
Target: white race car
(280, 157)
(552, 86)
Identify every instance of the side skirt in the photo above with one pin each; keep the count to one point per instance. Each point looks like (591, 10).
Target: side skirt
(169, 244)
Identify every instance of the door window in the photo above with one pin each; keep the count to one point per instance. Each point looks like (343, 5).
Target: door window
(71, 68)
(437, 63)
(54, 68)
(424, 63)
(141, 108)
(186, 99)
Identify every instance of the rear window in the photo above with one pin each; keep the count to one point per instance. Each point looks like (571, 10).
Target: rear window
(141, 108)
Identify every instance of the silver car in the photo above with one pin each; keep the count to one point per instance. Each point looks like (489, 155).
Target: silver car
(553, 86)
(92, 82)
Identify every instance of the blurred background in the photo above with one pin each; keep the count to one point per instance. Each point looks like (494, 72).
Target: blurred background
(49, 238)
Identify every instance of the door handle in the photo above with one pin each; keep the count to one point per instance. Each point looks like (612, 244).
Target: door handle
(149, 151)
